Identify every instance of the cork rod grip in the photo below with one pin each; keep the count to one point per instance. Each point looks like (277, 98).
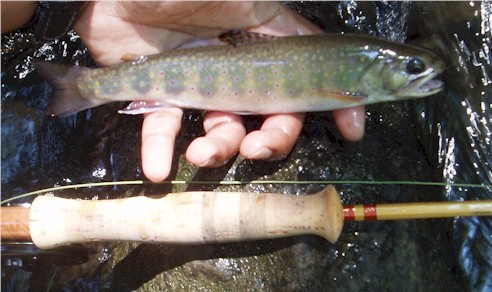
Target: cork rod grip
(186, 218)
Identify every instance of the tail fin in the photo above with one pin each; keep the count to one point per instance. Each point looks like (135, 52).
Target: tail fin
(66, 98)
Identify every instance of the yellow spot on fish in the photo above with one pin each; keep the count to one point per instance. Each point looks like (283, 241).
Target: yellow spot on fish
(197, 78)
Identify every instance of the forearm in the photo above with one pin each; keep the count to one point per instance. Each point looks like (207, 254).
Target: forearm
(15, 14)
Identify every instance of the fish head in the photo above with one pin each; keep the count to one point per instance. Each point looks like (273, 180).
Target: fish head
(403, 73)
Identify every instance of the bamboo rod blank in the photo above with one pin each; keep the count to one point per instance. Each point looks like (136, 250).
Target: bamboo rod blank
(417, 210)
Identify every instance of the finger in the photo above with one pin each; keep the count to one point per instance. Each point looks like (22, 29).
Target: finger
(224, 133)
(350, 122)
(275, 139)
(159, 132)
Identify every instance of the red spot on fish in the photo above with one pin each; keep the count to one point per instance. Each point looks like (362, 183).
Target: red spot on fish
(277, 85)
(303, 68)
(224, 71)
(192, 88)
(291, 92)
(209, 78)
(262, 78)
(186, 72)
(161, 73)
(250, 91)
(237, 79)
(157, 89)
(223, 89)
(171, 82)
(313, 88)
(236, 93)
(275, 72)
(305, 78)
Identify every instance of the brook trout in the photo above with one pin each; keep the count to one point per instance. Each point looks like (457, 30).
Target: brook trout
(268, 75)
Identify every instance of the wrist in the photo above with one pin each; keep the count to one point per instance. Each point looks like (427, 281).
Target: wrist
(16, 14)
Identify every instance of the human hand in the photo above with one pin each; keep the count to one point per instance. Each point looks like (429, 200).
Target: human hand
(112, 29)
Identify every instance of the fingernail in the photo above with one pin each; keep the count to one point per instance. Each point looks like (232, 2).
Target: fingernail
(210, 162)
(262, 153)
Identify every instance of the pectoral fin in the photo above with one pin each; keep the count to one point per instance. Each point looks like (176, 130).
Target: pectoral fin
(347, 97)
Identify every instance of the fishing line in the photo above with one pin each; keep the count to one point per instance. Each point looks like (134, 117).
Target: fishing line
(257, 182)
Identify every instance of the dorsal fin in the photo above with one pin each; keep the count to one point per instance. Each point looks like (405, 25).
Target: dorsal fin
(239, 38)
(134, 58)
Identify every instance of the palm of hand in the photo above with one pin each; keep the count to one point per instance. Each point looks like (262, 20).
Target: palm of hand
(112, 29)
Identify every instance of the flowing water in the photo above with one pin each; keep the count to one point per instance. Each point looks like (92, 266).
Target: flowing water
(443, 138)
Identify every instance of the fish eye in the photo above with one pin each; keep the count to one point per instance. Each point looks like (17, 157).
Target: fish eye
(415, 66)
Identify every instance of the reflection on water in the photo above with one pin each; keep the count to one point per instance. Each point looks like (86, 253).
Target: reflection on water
(465, 149)
(391, 18)
(442, 138)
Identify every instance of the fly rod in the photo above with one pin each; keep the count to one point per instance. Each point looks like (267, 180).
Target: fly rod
(206, 217)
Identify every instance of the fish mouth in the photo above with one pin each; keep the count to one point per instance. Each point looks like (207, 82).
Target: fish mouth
(431, 87)
(424, 85)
